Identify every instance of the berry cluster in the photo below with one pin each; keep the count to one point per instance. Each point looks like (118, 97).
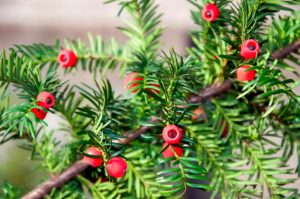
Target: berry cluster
(115, 167)
(172, 134)
(45, 100)
(249, 48)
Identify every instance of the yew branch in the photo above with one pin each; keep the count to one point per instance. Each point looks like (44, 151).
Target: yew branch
(284, 52)
(55, 182)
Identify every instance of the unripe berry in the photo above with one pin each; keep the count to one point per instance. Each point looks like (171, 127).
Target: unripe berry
(250, 49)
(39, 113)
(168, 152)
(132, 80)
(67, 58)
(243, 74)
(93, 161)
(46, 100)
(198, 113)
(172, 134)
(116, 167)
(210, 12)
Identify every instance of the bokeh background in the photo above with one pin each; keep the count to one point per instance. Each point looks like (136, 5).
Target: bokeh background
(32, 21)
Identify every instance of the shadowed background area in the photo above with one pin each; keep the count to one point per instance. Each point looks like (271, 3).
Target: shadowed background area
(33, 21)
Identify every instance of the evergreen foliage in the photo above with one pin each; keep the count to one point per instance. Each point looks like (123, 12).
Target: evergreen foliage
(240, 148)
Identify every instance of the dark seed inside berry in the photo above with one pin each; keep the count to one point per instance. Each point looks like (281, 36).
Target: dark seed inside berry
(63, 58)
(208, 14)
(251, 47)
(172, 134)
(48, 101)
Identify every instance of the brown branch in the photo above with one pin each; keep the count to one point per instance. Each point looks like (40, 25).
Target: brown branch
(211, 91)
(284, 52)
(135, 135)
(56, 181)
(75, 169)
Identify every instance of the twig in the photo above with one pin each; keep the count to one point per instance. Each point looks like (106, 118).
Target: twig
(56, 181)
(211, 91)
(79, 166)
(284, 52)
(135, 135)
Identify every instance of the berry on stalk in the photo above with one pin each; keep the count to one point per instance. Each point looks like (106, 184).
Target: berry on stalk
(46, 100)
(169, 151)
(116, 167)
(67, 58)
(210, 12)
(39, 113)
(250, 49)
(243, 74)
(172, 134)
(93, 161)
(133, 80)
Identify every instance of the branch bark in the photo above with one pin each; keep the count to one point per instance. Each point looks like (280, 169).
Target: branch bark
(284, 52)
(211, 91)
(56, 181)
(45, 188)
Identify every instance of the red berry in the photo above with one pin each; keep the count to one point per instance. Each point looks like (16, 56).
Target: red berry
(243, 74)
(250, 49)
(133, 80)
(39, 113)
(154, 90)
(172, 134)
(93, 161)
(46, 100)
(210, 12)
(116, 167)
(67, 58)
(168, 152)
